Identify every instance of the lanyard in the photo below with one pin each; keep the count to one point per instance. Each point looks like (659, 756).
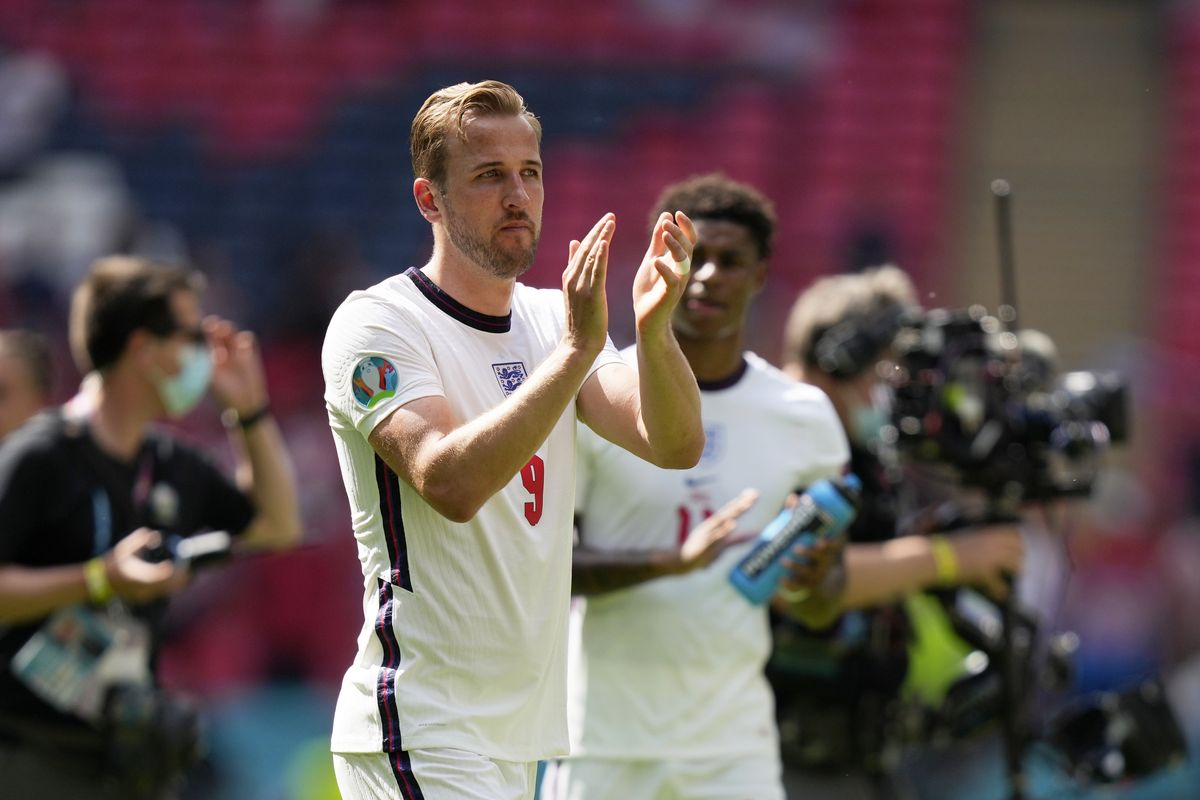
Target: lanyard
(102, 516)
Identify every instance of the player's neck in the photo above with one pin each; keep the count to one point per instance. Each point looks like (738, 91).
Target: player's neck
(468, 283)
(713, 360)
(119, 414)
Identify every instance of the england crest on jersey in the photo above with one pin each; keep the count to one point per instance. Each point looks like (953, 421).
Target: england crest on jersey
(510, 375)
(714, 444)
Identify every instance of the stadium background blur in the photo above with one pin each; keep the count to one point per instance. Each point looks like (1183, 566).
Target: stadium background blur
(265, 141)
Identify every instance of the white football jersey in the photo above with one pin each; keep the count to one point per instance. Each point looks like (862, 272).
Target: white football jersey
(463, 643)
(673, 667)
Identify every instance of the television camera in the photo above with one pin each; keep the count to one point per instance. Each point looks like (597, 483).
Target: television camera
(970, 395)
(972, 398)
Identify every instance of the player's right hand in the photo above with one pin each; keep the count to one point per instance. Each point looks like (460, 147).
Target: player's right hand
(663, 275)
(137, 580)
(584, 292)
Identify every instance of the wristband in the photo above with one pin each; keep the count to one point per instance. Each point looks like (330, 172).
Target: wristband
(231, 417)
(793, 595)
(95, 576)
(945, 562)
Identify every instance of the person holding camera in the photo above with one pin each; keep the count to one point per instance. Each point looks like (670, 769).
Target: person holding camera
(835, 687)
(91, 494)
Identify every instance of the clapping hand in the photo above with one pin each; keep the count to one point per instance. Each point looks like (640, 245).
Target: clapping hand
(663, 274)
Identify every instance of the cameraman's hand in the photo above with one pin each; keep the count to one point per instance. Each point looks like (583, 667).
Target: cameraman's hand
(137, 580)
(709, 539)
(238, 379)
(988, 555)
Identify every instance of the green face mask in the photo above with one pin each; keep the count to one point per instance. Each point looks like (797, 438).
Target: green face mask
(182, 392)
(867, 422)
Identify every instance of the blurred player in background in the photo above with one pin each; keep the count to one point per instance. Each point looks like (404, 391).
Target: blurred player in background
(85, 492)
(453, 393)
(666, 688)
(667, 693)
(25, 378)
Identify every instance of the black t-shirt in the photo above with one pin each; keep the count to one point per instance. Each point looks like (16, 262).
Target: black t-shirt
(64, 500)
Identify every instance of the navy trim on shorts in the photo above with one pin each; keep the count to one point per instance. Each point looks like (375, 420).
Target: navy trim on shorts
(448, 305)
(406, 779)
(388, 485)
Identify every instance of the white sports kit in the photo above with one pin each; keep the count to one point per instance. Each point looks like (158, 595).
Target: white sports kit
(672, 669)
(463, 643)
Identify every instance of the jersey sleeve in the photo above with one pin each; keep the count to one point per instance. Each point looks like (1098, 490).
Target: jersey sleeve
(826, 440)
(376, 359)
(609, 355)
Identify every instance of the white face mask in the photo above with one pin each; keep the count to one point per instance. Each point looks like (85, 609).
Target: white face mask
(182, 392)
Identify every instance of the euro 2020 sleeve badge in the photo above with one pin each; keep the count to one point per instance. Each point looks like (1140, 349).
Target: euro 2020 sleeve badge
(374, 380)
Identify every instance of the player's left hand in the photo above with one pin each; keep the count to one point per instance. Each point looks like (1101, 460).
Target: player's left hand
(238, 379)
(663, 274)
(807, 565)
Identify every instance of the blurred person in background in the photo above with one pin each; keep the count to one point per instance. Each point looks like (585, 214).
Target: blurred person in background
(453, 392)
(25, 378)
(835, 688)
(642, 647)
(666, 690)
(89, 496)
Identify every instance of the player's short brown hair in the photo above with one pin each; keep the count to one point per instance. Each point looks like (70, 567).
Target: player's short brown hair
(446, 111)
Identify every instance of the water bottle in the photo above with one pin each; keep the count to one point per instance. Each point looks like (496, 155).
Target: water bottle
(822, 512)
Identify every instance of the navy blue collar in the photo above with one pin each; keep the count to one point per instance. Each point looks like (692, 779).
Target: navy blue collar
(729, 380)
(447, 304)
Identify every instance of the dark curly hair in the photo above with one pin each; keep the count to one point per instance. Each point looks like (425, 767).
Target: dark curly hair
(716, 196)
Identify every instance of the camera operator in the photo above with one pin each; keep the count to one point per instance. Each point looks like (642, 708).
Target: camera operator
(835, 688)
(88, 493)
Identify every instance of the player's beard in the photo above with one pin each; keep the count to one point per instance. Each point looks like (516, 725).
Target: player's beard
(511, 262)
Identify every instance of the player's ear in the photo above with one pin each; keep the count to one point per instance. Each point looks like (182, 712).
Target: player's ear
(425, 193)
